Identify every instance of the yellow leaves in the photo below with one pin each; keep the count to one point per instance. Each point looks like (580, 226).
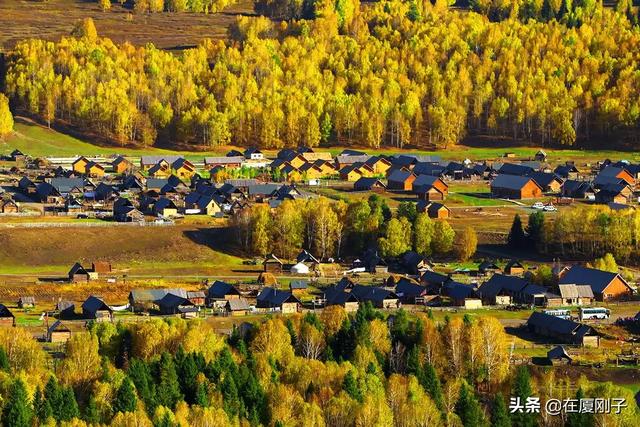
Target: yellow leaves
(202, 338)
(24, 353)
(82, 363)
(272, 339)
(156, 336)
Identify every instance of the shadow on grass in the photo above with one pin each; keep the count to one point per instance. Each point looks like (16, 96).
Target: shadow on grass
(217, 239)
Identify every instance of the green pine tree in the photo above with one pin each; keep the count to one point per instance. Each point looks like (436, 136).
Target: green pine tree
(168, 390)
(517, 238)
(499, 413)
(535, 227)
(350, 385)
(468, 408)
(431, 383)
(91, 414)
(522, 389)
(17, 411)
(68, 405)
(202, 398)
(125, 400)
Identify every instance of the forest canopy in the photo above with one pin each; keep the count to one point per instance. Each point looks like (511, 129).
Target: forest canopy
(391, 73)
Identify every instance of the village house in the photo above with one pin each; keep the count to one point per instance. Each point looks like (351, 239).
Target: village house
(79, 274)
(8, 206)
(433, 209)
(225, 162)
(558, 356)
(515, 169)
(6, 316)
(171, 304)
(298, 287)
(147, 162)
(197, 298)
(415, 263)
(379, 297)
(338, 295)
(121, 166)
(369, 184)
(410, 292)
(79, 165)
(572, 294)
(379, 164)
(253, 153)
(613, 175)
(58, 332)
(26, 302)
(515, 187)
(514, 268)
(272, 264)
(562, 330)
(619, 193)
(605, 285)
(430, 188)
(146, 299)
(96, 309)
(65, 310)
(94, 169)
(401, 180)
(488, 267)
(221, 291)
(550, 182)
(345, 160)
(567, 171)
(371, 262)
(275, 299)
(237, 307)
(461, 295)
(577, 189)
(502, 289)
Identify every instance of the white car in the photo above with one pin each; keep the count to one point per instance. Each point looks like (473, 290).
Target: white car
(538, 205)
(550, 208)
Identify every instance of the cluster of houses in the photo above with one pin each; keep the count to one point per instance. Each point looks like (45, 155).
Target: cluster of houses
(171, 185)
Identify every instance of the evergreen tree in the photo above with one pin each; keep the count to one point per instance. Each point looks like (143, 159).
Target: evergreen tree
(499, 413)
(350, 385)
(52, 401)
(4, 360)
(535, 227)
(125, 399)
(140, 373)
(68, 408)
(17, 411)
(91, 414)
(578, 419)
(517, 238)
(230, 397)
(168, 390)
(187, 373)
(202, 398)
(431, 383)
(468, 408)
(522, 389)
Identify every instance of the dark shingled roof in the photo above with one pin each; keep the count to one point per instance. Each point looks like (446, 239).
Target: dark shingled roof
(511, 182)
(271, 297)
(399, 175)
(372, 293)
(407, 288)
(499, 282)
(94, 304)
(557, 325)
(5, 312)
(515, 169)
(597, 279)
(219, 289)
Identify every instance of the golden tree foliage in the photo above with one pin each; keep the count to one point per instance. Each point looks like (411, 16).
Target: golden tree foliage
(24, 353)
(372, 76)
(6, 119)
(82, 363)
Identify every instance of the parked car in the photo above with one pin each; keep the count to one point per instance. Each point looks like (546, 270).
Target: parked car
(550, 208)
(538, 205)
